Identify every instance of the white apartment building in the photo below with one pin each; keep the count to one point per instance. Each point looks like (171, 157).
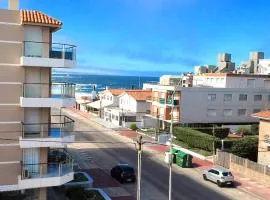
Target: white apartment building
(32, 136)
(214, 98)
(264, 66)
(132, 109)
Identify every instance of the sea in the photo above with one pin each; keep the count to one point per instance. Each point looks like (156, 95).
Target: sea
(86, 83)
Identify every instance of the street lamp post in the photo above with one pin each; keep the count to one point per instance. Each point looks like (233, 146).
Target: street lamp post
(171, 148)
(139, 175)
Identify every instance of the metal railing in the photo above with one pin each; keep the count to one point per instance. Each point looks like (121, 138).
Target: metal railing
(45, 170)
(49, 90)
(49, 50)
(174, 102)
(48, 130)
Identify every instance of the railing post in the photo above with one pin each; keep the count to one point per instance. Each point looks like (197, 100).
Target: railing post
(63, 51)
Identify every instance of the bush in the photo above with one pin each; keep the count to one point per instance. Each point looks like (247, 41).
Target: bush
(246, 148)
(220, 132)
(244, 130)
(133, 127)
(254, 129)
(78, 193)
(194, 138)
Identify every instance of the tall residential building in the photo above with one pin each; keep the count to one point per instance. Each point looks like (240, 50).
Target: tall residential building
(32, 139)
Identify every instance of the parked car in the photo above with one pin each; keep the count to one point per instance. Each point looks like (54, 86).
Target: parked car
(123, 173)
(219, 175)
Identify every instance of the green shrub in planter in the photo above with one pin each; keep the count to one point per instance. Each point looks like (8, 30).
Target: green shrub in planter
(220, 132)
(133, 127)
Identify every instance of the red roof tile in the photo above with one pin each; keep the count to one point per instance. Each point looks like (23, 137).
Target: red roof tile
(139, 95)
(32, 16)
(262, 114)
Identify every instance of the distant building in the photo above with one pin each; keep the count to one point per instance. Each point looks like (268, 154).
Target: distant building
(264, 137)
(218, 98)
(132, 108)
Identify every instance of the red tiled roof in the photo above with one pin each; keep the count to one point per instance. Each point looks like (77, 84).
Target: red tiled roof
(37, 17)
(116, 92)
(262, 115)
(139, 95)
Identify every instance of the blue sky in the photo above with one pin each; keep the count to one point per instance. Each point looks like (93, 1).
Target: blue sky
(153, 37)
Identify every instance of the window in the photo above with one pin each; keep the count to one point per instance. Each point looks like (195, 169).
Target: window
(242, 112)
(211, 112)
(256, 110)
(227, 112)
(111, 98)
(227, 97)
(251, 83)
(116, 118)
(268, 97)
(257, 97)
(242, 97)
(212, 97)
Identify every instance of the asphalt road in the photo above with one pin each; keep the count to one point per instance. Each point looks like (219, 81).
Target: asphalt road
(154, 173)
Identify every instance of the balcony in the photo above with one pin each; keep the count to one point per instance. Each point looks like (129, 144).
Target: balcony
(45, 175)
(41, 54)
(172, 102)
(54, 135)
(48, 95)
(161, 101)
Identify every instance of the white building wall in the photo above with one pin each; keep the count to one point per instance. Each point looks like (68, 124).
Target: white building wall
(107, 98)
(195, 106)
(127, 102)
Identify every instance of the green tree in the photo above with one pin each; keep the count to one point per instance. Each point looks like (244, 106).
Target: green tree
(133, 127)
(245, 130)
(254, 129)
(246, 148)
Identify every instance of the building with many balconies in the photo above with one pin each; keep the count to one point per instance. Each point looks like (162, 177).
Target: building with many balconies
(29, 133)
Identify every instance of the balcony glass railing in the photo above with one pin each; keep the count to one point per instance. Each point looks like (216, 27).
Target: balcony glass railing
(47, 90)
(49, 50)
(161, 101)
(46, 170)
(62, 128)
(170, 101)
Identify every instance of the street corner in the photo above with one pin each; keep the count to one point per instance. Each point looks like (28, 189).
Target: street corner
(101, 178)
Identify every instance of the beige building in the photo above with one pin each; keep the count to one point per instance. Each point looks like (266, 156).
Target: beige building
(264, 137)
(30, 142)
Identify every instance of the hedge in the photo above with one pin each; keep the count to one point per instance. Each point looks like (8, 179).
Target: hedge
(133, 127)
(194, 138)
(220, 132)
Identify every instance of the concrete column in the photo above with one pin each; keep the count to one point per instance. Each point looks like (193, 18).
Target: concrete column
(13, 4)
(43, 194)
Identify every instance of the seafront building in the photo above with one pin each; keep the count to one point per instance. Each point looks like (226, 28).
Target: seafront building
(215, 98)
(31, 138)
(264, 137)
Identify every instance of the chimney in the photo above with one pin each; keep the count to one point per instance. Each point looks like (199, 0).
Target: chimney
(13, 4)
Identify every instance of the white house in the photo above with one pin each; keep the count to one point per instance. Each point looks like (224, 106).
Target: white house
(132, 109)
(108, 97)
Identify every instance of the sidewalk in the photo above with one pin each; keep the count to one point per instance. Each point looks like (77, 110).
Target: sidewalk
(242, 183)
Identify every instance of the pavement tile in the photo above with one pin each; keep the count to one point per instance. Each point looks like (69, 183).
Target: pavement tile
(123, 198)
(116, 192)
(102, 179)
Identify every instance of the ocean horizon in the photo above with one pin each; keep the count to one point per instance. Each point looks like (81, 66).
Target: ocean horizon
(86, 83)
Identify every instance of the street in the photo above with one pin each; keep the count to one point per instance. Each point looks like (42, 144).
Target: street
(99, 147)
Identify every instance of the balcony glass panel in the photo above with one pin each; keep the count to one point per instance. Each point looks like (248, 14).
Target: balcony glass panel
(46, 170)
(49, 50)
(62, 128)
(170, 101)
(162, 101)
(46, 90)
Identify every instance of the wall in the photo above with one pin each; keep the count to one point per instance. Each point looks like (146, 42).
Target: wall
(194, 104)
(127, 102)
(9, 173)
(264, 153)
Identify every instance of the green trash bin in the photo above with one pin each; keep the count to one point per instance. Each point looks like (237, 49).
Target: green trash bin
(183, 159)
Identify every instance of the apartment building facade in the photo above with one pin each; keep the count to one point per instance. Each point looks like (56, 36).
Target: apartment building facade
(30, 136)
(264, 137)
(214, 98)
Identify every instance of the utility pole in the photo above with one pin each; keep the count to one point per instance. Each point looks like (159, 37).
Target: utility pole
(157, 128)
(213, 131)
(139, 144)
(171, 148)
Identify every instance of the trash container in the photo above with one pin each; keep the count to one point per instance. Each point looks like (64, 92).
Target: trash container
(174, 152)
(183, 159)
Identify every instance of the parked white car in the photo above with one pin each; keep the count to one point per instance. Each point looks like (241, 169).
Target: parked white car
(219, 175)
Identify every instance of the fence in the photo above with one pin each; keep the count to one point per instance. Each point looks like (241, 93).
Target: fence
(244, 166)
